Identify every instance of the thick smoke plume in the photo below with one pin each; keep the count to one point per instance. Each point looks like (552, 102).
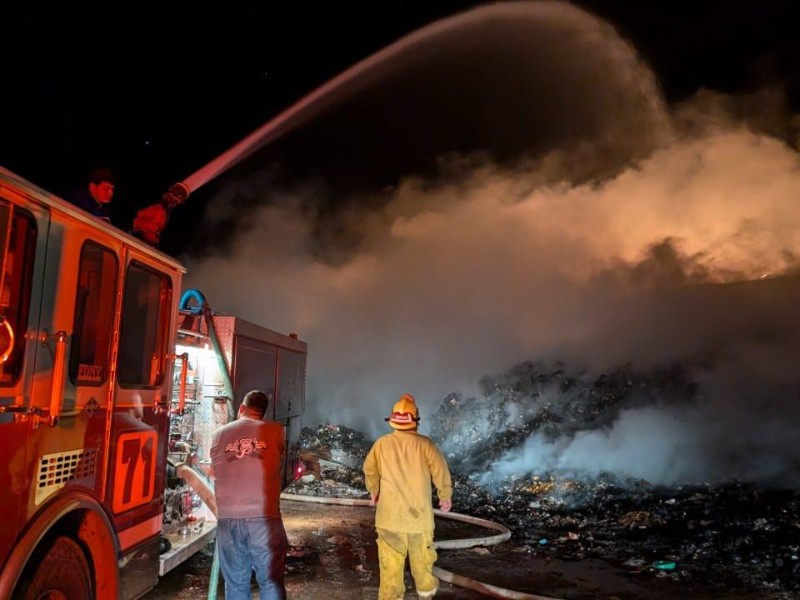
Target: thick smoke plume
(470, 277)
(488, 266)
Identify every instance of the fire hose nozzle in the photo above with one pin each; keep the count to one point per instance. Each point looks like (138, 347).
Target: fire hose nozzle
(151, 220)
(176, 195)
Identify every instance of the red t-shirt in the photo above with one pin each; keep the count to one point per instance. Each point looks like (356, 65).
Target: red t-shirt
(247, 456)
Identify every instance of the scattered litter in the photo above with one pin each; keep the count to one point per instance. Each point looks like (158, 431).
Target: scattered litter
(734, 535)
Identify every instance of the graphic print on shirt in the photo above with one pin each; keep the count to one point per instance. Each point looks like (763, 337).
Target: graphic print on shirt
(245, 446)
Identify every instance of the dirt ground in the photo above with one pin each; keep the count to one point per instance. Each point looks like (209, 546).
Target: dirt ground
(333, 556)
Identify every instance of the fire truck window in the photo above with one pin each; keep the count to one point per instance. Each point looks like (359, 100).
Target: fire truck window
(145, 327)
(94, 315)
(19, 240)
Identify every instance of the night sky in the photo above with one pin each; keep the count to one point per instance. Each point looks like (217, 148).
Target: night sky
(156, 94)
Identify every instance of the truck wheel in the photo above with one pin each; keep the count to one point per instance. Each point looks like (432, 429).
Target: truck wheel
(62, 574)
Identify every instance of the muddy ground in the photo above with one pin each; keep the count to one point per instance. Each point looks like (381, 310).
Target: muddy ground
(333, 556)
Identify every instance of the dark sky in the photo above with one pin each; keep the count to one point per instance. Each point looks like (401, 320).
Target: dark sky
(157, 93)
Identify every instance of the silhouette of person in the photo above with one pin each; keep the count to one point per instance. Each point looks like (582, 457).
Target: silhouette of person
(96, 196)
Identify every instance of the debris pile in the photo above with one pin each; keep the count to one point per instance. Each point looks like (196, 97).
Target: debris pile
(340, 452)
(732, 535)
(336, 442)
(544, 398)
(729, 535)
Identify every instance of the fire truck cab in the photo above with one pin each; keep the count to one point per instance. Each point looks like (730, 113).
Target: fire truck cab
(89, 320)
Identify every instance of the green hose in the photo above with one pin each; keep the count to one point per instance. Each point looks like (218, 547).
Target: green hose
(213, 583)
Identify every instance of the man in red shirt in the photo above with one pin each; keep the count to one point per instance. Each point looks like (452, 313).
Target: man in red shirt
(246, 456)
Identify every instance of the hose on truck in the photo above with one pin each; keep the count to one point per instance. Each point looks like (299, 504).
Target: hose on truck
(204, 488)
(504, 534)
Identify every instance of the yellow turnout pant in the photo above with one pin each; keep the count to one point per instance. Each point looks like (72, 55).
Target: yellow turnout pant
(393, 547)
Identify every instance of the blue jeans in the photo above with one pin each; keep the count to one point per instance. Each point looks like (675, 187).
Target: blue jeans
(247, 545)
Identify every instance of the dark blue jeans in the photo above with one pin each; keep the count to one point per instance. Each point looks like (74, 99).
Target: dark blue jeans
(247, 545)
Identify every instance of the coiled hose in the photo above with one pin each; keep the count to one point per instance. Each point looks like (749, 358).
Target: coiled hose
(504, 534)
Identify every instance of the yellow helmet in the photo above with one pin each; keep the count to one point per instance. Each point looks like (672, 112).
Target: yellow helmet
(404, 413)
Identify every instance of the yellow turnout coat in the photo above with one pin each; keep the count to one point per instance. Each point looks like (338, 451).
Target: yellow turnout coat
(400, 468)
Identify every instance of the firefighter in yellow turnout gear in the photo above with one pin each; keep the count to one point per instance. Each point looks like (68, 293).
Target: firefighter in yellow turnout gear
(398, 471)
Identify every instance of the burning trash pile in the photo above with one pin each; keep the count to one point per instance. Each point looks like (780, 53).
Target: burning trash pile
(336, 454)
(728, 534)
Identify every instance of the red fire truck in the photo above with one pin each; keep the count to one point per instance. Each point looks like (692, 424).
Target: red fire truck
(109, 372)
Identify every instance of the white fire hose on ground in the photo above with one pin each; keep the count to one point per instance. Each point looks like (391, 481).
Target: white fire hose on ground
(459, 580)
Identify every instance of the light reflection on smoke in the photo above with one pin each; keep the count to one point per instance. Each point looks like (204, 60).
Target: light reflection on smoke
(489, 275)
(490, 266)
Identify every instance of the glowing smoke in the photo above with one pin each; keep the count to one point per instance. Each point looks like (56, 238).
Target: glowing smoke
(470, 275)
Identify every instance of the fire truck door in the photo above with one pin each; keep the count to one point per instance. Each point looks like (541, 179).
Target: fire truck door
(23, 233)
(69, 389)
(140, 420)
